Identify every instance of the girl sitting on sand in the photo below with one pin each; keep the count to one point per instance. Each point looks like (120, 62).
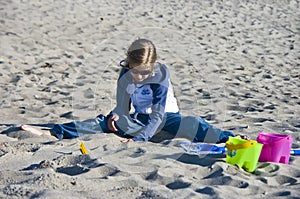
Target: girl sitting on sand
(145, 84)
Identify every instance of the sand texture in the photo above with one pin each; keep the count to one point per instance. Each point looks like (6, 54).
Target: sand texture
(235, 63)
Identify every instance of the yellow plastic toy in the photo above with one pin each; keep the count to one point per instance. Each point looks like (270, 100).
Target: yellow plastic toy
(83, 149)
(244, 153)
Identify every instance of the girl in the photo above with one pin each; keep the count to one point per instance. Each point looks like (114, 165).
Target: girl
(145, 84)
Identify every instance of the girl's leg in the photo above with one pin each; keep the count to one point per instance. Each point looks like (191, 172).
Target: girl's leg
(78, 128)
(194, 128)
(180, 126)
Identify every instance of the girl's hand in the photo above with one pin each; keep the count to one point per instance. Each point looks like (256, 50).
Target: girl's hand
(111, 122)
(127, 140)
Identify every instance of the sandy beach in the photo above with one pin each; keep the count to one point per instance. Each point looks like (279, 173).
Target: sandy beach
(234, 63)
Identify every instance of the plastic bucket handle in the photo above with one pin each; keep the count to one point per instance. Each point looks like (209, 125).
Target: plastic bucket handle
(231, 146)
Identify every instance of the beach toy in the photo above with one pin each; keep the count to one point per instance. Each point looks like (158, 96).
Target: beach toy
(295, 152)
(202, 148)
(83, 149)
(244, 153)
(277, 147)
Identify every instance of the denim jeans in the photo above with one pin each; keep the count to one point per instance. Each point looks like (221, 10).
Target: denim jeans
(78, 128)
(193, 128)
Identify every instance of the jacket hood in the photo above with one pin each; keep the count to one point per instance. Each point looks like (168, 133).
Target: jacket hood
(161, 75)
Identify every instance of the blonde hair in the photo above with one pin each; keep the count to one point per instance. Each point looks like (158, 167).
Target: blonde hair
(141, 52)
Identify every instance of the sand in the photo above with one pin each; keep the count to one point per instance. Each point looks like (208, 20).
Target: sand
(235, 63)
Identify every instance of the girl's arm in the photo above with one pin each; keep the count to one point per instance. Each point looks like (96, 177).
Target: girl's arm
(158, 111)
(122, 97)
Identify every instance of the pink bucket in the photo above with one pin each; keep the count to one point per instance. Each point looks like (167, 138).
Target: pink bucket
(276, 147)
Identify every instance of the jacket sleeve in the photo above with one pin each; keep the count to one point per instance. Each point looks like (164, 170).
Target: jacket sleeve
(158, 111)
(122, 95)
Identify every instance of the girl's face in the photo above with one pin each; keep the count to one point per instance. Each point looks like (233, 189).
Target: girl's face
(140, 73)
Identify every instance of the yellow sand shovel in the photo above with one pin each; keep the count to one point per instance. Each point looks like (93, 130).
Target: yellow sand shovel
(83, 149)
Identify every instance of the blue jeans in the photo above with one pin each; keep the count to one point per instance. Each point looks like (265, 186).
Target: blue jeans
(78, 128)
(191, 127)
